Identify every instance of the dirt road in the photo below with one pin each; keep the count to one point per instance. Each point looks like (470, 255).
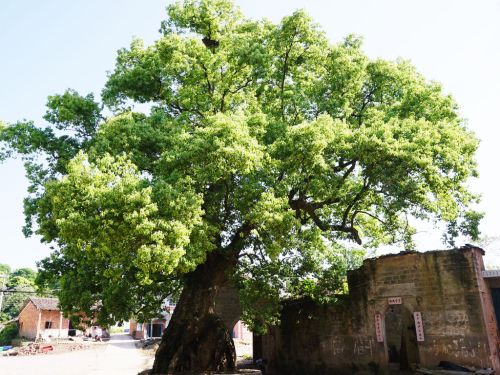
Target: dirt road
(118, 357)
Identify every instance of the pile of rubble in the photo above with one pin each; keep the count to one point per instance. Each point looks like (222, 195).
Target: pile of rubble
(45, 348)
(450, 368)
(33, 349)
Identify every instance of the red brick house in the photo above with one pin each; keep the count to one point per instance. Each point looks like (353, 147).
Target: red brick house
(41, 317)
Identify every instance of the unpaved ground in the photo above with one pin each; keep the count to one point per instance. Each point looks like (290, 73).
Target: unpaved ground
(117, 357)
(244, 349)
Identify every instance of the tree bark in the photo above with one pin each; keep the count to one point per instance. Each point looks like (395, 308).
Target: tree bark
(196, 339)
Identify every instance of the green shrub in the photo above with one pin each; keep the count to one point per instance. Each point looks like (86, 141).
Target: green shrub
(8, 333)
(116, 329)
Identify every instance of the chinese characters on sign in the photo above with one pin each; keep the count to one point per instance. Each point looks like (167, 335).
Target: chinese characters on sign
(419, 326)
(395, 300)
(378, 327)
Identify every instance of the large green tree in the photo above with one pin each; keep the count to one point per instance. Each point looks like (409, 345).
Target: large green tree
(266, 152)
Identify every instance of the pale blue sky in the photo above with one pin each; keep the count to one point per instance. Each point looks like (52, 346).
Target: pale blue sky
(49, 46)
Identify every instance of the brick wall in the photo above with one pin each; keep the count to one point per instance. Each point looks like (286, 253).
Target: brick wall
(28, 321)
(133, 327)
(444, 286)
(58, 327)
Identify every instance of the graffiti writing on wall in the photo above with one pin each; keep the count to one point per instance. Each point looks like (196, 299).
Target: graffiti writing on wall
(363, 346)
(459, 348)
(337, 347)
(448, 322)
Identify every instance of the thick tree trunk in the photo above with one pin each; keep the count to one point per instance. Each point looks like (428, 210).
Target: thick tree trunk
(196, 339)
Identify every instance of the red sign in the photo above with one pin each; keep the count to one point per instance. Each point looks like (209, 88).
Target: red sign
(419, 326)
(395, 300)
(378, 327)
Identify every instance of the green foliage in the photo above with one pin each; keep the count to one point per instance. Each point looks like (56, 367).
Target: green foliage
(467, 226)
(18, 282)
(4, 269)
(14, 302)
(264, 143)
(73, 112)
(8, 333)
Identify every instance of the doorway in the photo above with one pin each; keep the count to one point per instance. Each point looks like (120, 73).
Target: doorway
(157, 330)
(154, 330)
(243, 342)
(401, 338)
(495, 294)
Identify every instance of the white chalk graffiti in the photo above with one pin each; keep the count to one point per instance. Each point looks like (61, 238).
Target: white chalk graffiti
(337, 347)
(363, 346)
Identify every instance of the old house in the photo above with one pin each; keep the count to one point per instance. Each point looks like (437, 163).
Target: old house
(403, 311)
(155, 327)
(41, 317)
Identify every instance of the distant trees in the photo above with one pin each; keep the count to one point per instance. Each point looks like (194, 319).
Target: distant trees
(18, 285)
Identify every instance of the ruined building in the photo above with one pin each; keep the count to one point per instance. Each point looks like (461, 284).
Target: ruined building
(403, 311)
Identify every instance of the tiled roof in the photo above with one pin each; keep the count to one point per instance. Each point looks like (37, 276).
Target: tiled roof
(45, 303)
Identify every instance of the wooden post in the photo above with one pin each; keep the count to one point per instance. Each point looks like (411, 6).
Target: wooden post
(60, 323)
(38, 324)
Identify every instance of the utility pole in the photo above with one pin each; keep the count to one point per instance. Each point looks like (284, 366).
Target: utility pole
(4, 277)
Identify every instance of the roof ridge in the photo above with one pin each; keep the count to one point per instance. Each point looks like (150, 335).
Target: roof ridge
(45, 303)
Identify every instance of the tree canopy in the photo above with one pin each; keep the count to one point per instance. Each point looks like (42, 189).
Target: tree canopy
(265, 142)
(19, 285)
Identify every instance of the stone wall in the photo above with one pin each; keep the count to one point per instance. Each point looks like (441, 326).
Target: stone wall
(445, 287)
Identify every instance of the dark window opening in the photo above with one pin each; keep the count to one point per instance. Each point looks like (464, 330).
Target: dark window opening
(48, 324)
(495, 294)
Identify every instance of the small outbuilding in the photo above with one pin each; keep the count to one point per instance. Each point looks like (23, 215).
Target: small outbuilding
(42, 318)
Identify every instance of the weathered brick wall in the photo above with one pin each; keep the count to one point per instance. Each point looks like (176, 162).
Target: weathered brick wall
(55, 318)
(59, 328)
(320, 340)
(133, 327)
(443, 286)
(28, 318)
